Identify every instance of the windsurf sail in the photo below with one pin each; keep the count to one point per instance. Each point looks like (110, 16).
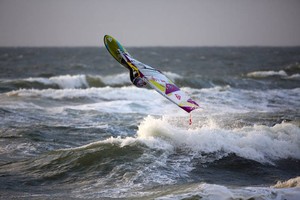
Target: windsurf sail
(163, 85)
(153, 77)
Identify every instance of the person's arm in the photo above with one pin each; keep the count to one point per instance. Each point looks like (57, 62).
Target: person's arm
(131, 74)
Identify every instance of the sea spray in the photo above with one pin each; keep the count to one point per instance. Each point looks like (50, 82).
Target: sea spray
(260, 143)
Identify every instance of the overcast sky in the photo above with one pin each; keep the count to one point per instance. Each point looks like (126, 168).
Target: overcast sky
(150, 22)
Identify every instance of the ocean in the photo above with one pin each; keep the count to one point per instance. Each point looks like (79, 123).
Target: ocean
(72, 126)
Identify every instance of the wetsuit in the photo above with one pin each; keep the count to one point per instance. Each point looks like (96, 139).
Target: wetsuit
(136, 79)
(134, 76)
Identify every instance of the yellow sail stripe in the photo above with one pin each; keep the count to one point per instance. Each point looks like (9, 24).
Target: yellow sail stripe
(134, 67)
(158, 86)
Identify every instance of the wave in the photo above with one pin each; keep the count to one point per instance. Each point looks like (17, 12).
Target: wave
(104, 93)
(281, 74)
(263, 74)
(294, 182)
(125, 168)
(259, 143)
(291, 72)
(294, 77)
(74, 81)
(163, 152)
(212, 191)
(129, 99)
(66, 82)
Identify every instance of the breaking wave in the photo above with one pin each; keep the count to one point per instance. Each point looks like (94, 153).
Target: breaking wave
(73, 81)
(294, 182)
(262, 74)
(212, 191)
(291, 72)
(281, 74)
(67, 82)
(259, 143)
(129, 99)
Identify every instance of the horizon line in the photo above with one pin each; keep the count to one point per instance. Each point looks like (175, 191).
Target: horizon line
(155, 46)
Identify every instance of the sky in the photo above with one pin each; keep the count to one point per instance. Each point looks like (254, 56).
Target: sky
(150, 22)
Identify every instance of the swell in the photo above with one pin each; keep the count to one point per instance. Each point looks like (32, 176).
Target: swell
(161, 153)
(71, 165)
(137, 162)
(287, 77)
(80, 81)
(55, 82)
(291, 71)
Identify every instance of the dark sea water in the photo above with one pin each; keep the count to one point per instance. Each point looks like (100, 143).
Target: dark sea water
(73, 127)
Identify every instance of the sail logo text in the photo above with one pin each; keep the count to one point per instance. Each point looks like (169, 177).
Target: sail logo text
(178, 96)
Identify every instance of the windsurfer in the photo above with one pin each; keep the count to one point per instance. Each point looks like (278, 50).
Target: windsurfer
(135, 78)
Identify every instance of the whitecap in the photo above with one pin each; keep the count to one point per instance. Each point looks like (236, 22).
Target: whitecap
(294, 182)
(63, 81)
(263, 74)
(260, 143)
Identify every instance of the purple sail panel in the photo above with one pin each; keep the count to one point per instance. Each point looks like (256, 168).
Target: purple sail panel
(171, 88)
(192, 102)
(188, 108)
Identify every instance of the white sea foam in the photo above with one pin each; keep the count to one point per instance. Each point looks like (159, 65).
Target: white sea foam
(294, 182)
(262, 74)
(193, 191)
(106, 93)
(218, 100)
(294, 77)
(68, 81)
(45, 81)
(81, 81)
(259, 143)
(107, 99)
(112, 140)
(129, 99)
(156, 138)
(212, 192)
(64, 81)
(280, 73)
